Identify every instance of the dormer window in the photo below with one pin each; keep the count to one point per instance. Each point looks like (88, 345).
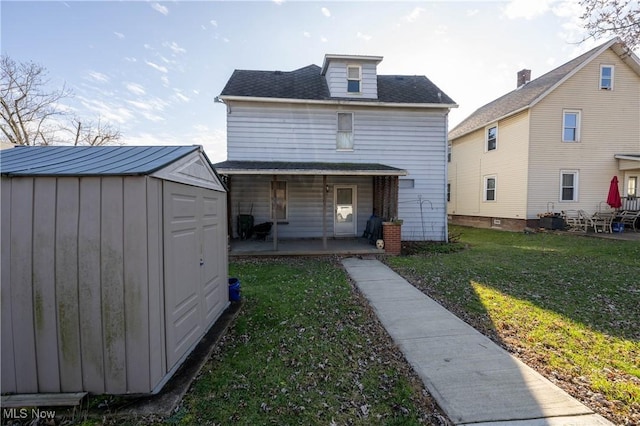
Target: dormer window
(606, 77)
(354, 78)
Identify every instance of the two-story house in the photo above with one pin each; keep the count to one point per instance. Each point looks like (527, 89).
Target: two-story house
(552, 144)
(318, 150)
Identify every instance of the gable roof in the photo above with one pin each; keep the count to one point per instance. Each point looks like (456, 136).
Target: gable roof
(309, 84)
(89, 160)
(534, 91)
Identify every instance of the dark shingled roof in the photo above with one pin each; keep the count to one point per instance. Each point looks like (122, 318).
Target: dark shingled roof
(89, 160)
(521, 97)
(304, 167)
(309, 84)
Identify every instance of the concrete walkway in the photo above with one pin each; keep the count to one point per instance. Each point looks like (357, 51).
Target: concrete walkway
(474, 381)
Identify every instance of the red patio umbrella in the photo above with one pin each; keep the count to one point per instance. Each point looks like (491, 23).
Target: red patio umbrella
(613, 199)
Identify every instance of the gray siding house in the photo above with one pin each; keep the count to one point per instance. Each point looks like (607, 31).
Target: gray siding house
(318, 150)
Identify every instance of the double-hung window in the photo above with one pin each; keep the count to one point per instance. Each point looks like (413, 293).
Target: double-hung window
(571, 126)
(279, 197)
(344, 138)
(606, 77)
(490, 188)
(568, 185)
(492, 138)
(632, 186)
(354, 78)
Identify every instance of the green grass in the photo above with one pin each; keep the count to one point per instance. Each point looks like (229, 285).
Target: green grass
(305, 349)
(569, 303)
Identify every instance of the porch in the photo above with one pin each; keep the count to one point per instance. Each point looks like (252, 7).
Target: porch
(303, 247)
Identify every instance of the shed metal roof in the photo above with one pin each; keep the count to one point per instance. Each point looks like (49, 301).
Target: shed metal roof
(89, 160)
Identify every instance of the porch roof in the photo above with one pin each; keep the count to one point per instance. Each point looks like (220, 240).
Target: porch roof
(231, 167)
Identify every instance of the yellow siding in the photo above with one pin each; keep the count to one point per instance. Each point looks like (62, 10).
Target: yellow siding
(610, 125)
(508, 162)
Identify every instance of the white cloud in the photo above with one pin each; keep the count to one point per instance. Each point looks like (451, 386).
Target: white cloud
(472, 12)
(130, 59)
(307, 34)
(278, 2)
(119, 35)
(326, 12)
(213, 23)
(364, 37)
(110, 113)
(415, 14)
(324, 39)
(157, 67)
(135, 88)
(160, 8)
(527, 9)
(165, 80)
(441, 29)
(174, 47)
(97, 76)
(181, 96)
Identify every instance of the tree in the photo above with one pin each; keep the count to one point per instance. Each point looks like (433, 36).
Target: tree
(32, 115)
(613, 17)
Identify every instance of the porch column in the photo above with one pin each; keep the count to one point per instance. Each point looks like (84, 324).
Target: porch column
(324, 212)
(274, 211)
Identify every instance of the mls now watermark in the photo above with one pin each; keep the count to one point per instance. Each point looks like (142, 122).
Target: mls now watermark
(27, 413)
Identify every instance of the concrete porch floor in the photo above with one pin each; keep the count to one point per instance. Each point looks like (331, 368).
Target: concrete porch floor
(302, 247)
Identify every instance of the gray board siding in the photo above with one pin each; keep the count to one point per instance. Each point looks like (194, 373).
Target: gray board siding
(406, 138)
(337, 80)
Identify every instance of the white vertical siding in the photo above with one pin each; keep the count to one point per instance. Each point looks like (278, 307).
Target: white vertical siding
(408, 138)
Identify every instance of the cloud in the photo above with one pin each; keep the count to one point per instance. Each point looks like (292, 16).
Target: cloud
(364, 37)
(326, 12)
(130, 59)
(97, 76)
(136, 89)
(307, 34)
(441, 29)
(324, 39)
(165, 80)
(157, 67)
(472, 12)
(181, 96)
(160, 8)
(174, 47)
(119, 35)
(415, 14)
(213, 23)
(110, 113)
(278, 2)
(526, 9)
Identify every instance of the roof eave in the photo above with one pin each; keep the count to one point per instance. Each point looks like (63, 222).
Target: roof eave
(310, 172)
(336, 102)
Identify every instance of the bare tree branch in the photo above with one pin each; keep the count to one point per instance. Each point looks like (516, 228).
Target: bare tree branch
(619, 18)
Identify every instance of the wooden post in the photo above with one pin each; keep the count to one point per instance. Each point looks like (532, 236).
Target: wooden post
(324, 212)
(274, 203)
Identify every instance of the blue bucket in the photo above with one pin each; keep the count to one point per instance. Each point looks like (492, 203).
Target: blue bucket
(617, 227)
(234, 289)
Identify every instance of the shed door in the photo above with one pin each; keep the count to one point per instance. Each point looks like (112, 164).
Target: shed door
(194, 273)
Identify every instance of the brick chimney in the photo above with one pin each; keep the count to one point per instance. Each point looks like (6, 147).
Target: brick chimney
(524, 76)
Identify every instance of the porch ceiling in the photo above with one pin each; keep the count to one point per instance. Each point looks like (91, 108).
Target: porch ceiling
(306, 168)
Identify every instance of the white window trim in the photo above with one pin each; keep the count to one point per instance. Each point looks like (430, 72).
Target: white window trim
(485, 188)
(359, 79)
(613, 73)
(486, 137)
(578, 124)
(338, 131)
(576, 185)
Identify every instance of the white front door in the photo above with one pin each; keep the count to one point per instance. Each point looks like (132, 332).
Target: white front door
(344, 218)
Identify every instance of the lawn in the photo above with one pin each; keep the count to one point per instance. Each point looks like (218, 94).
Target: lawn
(567, 305)
(305, 349)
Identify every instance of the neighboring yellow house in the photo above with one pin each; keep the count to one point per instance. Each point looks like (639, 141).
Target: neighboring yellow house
(552, 144)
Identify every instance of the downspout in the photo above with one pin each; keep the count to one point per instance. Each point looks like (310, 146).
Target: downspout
(274, 203)
(324, 211)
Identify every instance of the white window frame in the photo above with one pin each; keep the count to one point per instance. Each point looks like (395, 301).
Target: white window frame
(343, 135)
(610, 86)
(359, 79)
(576, 185)
(486, 188)
(578, 114)
(632, 186)
(486, 138)
(449, 150)
(285, 201)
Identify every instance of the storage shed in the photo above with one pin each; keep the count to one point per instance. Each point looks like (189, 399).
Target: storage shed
(114, 265)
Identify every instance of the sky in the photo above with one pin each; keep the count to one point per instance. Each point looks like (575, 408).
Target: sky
(153, 69)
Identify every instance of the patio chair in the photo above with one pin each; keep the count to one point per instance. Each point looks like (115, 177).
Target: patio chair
(573, 220)
(600, 222)
(631, 218)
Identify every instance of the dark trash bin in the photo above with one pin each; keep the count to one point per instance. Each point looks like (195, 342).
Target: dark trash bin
(234, 289)
(245, 225)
